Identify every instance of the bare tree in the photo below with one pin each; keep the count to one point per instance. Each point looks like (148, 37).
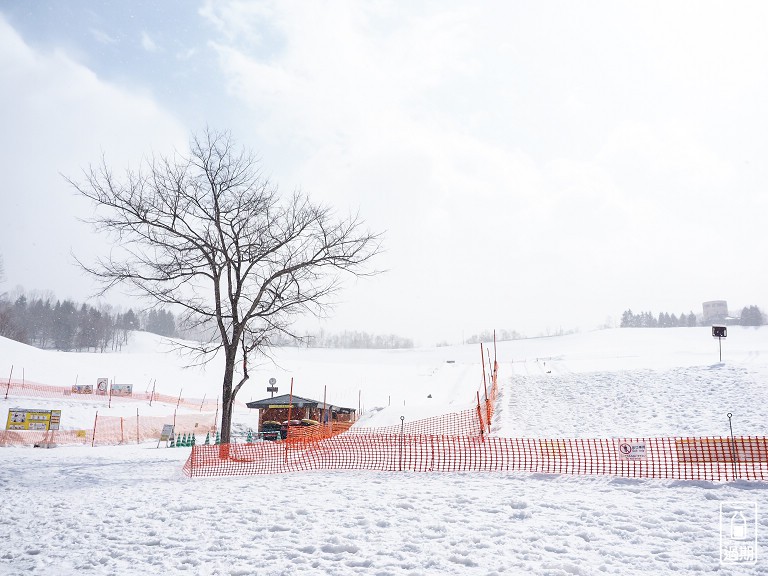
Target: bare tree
(206, 233)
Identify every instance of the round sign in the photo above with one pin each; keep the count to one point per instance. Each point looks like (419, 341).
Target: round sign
(272, 381)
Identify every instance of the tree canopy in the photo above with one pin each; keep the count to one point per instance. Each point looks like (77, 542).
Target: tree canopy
(205, 233)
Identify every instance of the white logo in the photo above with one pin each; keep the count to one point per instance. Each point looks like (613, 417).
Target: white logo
(738, 532)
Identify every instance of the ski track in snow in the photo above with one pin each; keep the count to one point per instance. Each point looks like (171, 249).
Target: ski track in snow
(691, 401)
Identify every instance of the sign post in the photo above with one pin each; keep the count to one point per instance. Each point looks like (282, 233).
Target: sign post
(33, 419)
(272, 388)
(720, 332)
(166, 435)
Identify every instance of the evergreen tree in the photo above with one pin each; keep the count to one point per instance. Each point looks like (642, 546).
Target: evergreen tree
(751, 316)
(64, 325)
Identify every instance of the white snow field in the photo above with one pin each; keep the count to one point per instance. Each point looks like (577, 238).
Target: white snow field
(130, 510)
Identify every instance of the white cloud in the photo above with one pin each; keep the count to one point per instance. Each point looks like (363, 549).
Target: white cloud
(528, 155)
(102, 37)
(147, 43)
(58, 118)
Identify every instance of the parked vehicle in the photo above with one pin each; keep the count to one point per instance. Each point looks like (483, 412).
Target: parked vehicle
(271, 430)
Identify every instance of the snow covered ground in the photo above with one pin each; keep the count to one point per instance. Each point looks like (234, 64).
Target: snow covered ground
(129, 509)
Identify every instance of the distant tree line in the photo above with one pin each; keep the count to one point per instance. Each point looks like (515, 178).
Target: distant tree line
(67, 325)
(750, 316)
(501, 336)
(663, 320)
(358, 339)
(346, 339)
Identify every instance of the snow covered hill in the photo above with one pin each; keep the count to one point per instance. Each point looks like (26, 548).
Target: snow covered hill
(128, 510)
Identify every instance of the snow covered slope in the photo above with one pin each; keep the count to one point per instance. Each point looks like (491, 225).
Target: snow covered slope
(128, 510)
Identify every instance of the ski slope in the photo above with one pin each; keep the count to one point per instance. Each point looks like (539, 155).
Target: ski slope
(129, 510)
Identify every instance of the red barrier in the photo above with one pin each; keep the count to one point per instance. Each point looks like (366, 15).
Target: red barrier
(744, 458)
(25, 389)
(464, 423)
(112, 430)
(457, 443)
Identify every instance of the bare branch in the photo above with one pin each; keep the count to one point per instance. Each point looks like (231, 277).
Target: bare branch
(207, 234)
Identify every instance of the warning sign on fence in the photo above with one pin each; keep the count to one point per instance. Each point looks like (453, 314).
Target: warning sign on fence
(32, 419)
(122, 389)
(101, 386)
(632, 451)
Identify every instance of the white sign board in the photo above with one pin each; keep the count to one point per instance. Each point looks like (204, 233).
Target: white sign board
(102, 386)
(167, 433)
(632, 451)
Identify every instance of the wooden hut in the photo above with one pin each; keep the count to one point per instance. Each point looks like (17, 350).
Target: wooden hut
(276, 410)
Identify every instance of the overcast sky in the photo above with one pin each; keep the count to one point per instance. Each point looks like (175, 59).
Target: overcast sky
(536, 165)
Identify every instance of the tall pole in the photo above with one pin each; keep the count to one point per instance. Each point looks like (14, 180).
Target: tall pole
(288, 427)
(290, 405)
(327, 420)
(482, 361)
(733, 446)
(95, 419)
(7, 388)
(402, 425)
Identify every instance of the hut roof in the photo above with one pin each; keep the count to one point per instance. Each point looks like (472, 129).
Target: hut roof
(285, 400)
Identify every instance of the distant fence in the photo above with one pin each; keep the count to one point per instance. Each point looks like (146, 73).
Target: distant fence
(660, 458)
(19, 388)
(112, 430)
(460, 443)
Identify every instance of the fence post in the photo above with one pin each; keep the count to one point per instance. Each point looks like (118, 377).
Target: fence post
(482, 361)
(93, 438)
(479, 414)
(402, 426)
(733, 448)
(7, 388)
(137, 425)
(122, 433)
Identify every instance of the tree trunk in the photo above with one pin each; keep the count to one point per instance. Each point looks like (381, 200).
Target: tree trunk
(227, 404)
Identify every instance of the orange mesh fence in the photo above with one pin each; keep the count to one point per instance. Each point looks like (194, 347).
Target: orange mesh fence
(43, 438)
(471, 422)
(16, 388)
(319, 432)
(660, 458)
(112, 430)
(464, 423)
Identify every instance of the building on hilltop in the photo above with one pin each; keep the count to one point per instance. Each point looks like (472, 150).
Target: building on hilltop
(716, 312)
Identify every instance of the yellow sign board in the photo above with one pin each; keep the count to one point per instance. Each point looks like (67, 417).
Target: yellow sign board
(33, 419)
(280, 405)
